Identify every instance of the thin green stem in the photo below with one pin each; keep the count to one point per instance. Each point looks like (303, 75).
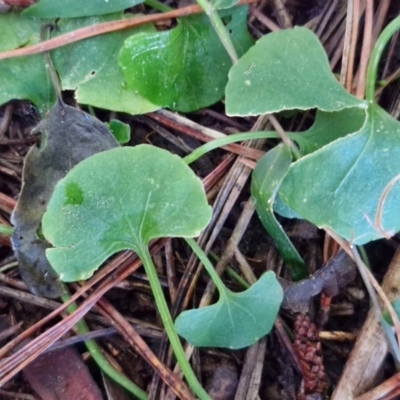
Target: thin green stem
(169, 325)
(6, 230)
(230, 271)
(101, 361)
(157, 5)
(233, 274)
(207, 265)
(220, 142)
(376, 56)
(219, 27)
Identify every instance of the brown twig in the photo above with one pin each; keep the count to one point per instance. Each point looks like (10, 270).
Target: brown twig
(366, 49)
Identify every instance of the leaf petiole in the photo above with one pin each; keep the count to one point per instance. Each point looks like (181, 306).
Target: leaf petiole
(219, 27)
(169, 324)
(6, 230)
(236, 137)
(376, 55)
(207, 265)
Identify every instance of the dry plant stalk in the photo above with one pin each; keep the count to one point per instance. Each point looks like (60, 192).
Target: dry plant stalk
(369, 352)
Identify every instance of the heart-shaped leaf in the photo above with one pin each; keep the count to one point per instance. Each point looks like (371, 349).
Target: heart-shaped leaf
(237, 320)
(77, 8)
(185, 68)
(266, 179)
(285, 70)
(121, 199)
(339, 186)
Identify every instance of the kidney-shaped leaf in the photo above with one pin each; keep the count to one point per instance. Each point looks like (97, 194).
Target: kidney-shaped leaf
(237, 320)
(121, 199)
(285, 70)
(185, 68)
(339, 186)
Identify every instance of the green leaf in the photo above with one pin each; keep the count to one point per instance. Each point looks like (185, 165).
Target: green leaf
(237, 320)
(339, 186)
(120, 130)
(89, 66)
(266, 179)
(184, 68)
(329, 126)
(77, 8)
(121, 199)
(23, 77)
(285, 70)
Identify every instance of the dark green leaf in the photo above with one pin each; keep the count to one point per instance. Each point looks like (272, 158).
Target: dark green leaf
(121, 131)
(184, 68)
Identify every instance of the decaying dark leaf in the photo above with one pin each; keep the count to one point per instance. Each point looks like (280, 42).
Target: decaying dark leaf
(68, 136)
(337, 272)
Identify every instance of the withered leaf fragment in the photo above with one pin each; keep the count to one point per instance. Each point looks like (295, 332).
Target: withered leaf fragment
(336, 273)
(68, 136)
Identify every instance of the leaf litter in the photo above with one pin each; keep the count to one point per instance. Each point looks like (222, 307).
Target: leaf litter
(68, 136)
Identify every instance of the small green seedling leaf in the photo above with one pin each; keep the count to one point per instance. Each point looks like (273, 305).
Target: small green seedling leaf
(117, 200)
(77, 8)
(285, 70)
(339, 186)
(120, 130)
(237, 320)
(184, 68)
(266, 179)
